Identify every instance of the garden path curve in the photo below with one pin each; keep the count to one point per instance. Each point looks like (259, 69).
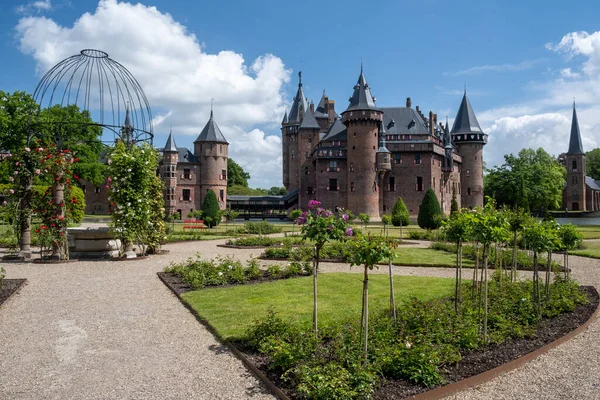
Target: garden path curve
(92, 330)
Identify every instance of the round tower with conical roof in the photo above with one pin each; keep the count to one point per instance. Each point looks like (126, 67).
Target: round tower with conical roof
(469, 140)
(212, 150)
(169, 176)
(289, 136)
(363, 120)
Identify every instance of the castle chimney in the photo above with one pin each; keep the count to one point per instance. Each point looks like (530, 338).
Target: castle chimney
(434, 119)
(331, 110)
(418, 110)
(408, 102)
(312, 107)
(431, 123)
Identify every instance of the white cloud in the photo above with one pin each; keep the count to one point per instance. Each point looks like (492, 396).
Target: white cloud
(35, 6)
(178, 76)
(523, 65)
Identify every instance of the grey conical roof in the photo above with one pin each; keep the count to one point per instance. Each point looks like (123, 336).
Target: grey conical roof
(170, 145)
(127, 122)
(211, 132)
(361, 98)
(382, 146)
(466, 121)
(309, 121)
(300, 104)
(447, 137)
(575, 146)
(320, 110)
(285, 118)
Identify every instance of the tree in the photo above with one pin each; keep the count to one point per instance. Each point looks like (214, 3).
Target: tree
(364, 218)
(454, 203)
(533, 180)
(570, 238)
(429, 211)
(386, 220)
(210, 209)
(229, 216)
(236, 174)
(294, 215)
(277, 191)
(539, 238)
(400, 216)
(368, 251)
(458, 229)
(592, 163)
(517, 220)
(196, 214)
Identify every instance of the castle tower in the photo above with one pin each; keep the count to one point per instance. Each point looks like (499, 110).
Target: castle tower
(575, 163)
(212, 150)
(469, 140)
(384, 165)
(363, 119)
(447, 167)
(308, 137)
(289, 138)
(170, 156)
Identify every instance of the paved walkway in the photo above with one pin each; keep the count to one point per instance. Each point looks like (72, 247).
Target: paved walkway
(111, 330)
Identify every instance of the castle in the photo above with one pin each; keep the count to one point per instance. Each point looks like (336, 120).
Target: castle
(187, 175)
(369, 156)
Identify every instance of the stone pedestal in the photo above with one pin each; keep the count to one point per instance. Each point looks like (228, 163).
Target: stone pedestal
(93, 243)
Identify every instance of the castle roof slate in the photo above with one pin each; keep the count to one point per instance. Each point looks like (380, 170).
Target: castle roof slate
(575, 146)
(309, 121)
(211, 132)
(403, 120)
(362, 99)
(170, 145)
(184, 155)
(300, 104)
(337, 131)
(466, 121)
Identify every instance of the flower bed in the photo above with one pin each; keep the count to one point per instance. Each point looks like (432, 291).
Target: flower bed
(264, 241)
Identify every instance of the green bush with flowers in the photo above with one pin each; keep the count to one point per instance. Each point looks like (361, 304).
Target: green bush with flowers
(135, 196)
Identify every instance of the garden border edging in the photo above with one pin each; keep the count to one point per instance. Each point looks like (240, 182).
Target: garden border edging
(271, 387)
(484, 377)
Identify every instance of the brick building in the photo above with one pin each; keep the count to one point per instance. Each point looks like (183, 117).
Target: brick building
(369, 156)
(581, 192)
(188, 175)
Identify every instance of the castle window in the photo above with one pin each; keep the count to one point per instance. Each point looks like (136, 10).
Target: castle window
(186, 173)
(333, 166)
(309, 190)
(434, 183)
(97, 190)
(468, 172)
(398, 158)
(468, 191)
(306, 171)
(574, 165)
(172, 194)
(306, 155)
(224, 174)
(417, 158)
(352, 186)
(353, 147)
(575, 196)
(293, 154)
(186, 195)
(354, 134)
(419, 185)
(574, 179)
(392, 184)
(351, 167)
(84, 189)
(221, 195)
(333, 185)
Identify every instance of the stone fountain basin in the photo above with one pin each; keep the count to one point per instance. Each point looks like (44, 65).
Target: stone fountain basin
(93, 242)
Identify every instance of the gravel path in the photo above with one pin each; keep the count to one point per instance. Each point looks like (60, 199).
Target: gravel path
(111, 330)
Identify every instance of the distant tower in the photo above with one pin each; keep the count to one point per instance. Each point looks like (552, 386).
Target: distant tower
(170, 174)
(212, 151)
(469, 140)
(363, 119)
(308, 137)
(289, 136)
(575, 163)
(447, 165)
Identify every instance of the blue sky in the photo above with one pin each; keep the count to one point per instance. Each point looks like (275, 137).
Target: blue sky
(522, 63)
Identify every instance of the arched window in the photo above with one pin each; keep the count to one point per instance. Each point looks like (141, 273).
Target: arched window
(575, 196)
(574, 165)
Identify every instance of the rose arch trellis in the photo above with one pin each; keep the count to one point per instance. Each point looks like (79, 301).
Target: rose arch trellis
(115, 101)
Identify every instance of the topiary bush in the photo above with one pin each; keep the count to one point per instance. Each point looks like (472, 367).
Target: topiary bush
(429, 211)
(400, 216)
(210, 209)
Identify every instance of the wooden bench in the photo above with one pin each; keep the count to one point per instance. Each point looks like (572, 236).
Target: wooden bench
(193, 224)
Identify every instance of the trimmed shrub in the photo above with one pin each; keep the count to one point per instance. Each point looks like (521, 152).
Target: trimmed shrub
(210, 210)
(429, 211)
(400, 214)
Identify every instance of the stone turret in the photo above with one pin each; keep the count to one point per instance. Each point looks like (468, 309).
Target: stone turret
(469, 140)
(212, 150)
(289, 136)
(575, 196)
(384, 162)
(363, 120)
(170, 158)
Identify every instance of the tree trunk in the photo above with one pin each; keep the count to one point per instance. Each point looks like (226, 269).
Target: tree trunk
(392, 296)
(536, 284)
(485, 296)
(476, 268)
(500, 265)
(315, 272)
(457, 288)
(513, 272)
(548, 271)
(567, 270)
(366, 314)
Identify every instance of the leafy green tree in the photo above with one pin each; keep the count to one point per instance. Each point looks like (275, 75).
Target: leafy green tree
(17, 113)
(533, 180)
(386, 220)
(294, 215)
(454, 203)
(458, 229)
(239, 190)
(517, 220)
(538, 236)
(429, 211)
(229, 216)
(236, 176)
(592, 163)
(570, 238)
(400, 216)
(277, 191)
(157, 229)
(195, 214)
(364, 218)
(210, 209)
(368, 251)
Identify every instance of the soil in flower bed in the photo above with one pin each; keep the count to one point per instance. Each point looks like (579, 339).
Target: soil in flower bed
(9, 286)
(481, 360)
(177, 284)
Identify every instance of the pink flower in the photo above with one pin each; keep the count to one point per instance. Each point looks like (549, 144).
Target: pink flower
(109, 180)
(16, 172)
(345, 217)
(349, 231)
(37, 171)
(11, 179)
(313, 204)
(106, 186)
(12, 191)
(27, 149)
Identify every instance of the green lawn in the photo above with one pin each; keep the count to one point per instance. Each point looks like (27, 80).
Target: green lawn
(420, 256)
(231, 310)
(590, 231)
(590, 249)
